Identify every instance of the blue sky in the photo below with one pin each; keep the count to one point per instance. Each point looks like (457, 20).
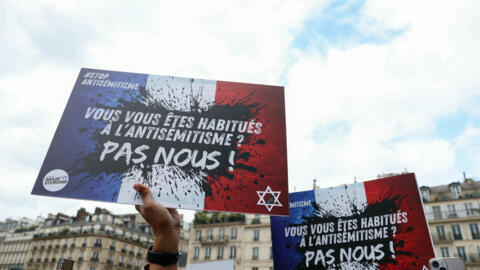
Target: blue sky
(336, 26)
(372, 86)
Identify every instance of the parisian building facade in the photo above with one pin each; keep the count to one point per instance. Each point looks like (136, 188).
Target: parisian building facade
(14, 249)
(245, 239)
(15, 239)
(454, 219)
(93, 241)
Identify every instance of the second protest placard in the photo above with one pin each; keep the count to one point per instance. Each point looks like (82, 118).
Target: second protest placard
(377, 224)
(198, 144)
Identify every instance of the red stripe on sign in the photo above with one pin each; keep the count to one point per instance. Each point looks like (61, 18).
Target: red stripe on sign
(260, 159)
(411, 233)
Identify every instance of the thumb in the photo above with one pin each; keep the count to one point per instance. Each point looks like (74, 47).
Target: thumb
(144, 192)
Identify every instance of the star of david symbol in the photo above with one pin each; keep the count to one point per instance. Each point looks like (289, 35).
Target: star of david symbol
(271, 200)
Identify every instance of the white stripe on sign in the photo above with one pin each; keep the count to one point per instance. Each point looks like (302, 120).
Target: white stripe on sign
(341, 201)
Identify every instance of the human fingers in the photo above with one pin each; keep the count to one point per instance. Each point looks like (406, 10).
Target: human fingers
(145, 193)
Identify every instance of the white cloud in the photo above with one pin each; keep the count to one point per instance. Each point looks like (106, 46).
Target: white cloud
(390, 95)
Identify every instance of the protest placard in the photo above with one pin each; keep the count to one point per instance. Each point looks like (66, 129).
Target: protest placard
(198, 144)
(377, 224)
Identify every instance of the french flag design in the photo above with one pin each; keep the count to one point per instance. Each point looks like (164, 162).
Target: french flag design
(378, 224)
(198, 144)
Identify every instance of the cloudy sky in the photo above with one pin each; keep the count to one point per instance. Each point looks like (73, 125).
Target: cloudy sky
(372, 86)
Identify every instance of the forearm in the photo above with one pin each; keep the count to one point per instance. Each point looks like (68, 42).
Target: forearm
(166, 242)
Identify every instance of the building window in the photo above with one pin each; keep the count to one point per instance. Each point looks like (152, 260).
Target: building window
(474, 231)
(209, 235)
(222, 234)
(256, 235)
(469, 209)
(234, 233)
(441, 233)
(198, 235)
(461, 253)
(425, 191)
(456, 191)
(255, 253)
(220, 253)
(437, 212)
(457, 232)
(208, 252)
(445, 252)
(452, 213)
(233, 252)
(196, 253)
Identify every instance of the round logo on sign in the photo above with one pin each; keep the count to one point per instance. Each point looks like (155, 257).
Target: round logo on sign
(55, 180)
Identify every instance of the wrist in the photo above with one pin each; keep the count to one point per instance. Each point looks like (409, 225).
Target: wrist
(166, 241)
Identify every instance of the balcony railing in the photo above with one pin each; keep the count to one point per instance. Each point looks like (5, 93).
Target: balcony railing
(473, 258)
(214, 239)
(112, 247)
(131, 252)
(441, 215)
(72, 245)
(442, 238)
(109, 261)
(77, 231)
(97, 244)
(65, 245)
(94, 259)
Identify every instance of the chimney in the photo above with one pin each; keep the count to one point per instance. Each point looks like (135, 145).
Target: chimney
(81, 214)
